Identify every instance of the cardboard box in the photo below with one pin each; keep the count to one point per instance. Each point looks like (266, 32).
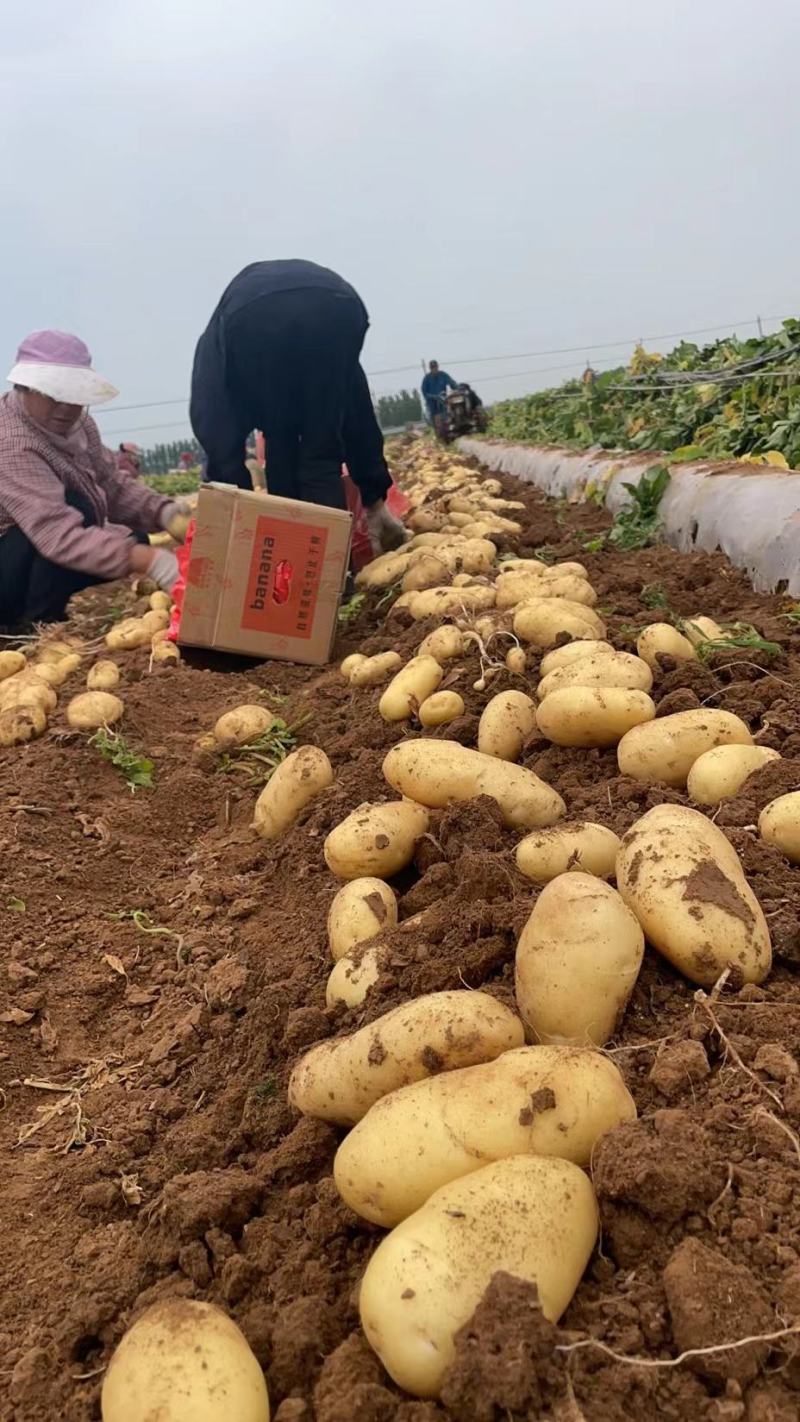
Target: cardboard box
(265, 575)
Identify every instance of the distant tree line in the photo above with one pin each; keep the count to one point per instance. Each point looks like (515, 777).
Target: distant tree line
(404, 408)
(160, 458)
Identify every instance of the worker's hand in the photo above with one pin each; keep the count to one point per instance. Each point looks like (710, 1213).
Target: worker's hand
(385, 531)
(156, 563)
(175, 518)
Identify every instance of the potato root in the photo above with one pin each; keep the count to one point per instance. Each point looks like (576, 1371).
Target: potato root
(298, 780)
(435, 773)
(375, 840)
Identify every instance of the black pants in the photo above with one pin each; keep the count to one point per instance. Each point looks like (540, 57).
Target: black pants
(32, 589)
(292, 361)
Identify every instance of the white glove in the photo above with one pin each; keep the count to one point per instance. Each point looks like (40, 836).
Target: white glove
(385, 531)
(175, 518)
(163, 569)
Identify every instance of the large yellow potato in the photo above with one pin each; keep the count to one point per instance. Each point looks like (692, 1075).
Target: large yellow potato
(574, 652)
(57, 670)
(11, 663)
(440, 602)
(156, 620)
(242, 725)
(160, 601)
(362, 908)
(103, 676)
(661, 639)
(563, 570)
(663, 752)
(578, 959)
(779, 824)
(441, 708)
(435, 773)
(126, 635)
(26, 688)
(443, 643)
(592, 715)
(412, 685)
(720, 773)
(514, 588)
(683, 879)
(375, 840)
(182, 1360)
(339, 1080)
(505, 725)
(165, 653)
(554, 1101)
(297, 781)
(534, 1219)
(373, 670)
(580, 845)
(385, 571)
(350, 663)
(22, 722)
(92, 709)
(620, 669)
(543, 622)
(353, 975)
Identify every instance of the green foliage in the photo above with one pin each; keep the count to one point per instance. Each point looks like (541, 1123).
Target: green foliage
(653, 595)
(737, 635)
(596, 544)
(15, 905)
(171, 485)
(260, 758)
(404, 408)
(136, 770)
(350, 609)
(636, 524)
(716, 419)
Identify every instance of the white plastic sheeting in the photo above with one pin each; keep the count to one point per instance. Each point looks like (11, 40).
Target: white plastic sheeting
(750, 513)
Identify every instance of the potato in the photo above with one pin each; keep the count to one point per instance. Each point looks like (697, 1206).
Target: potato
(428, 570)
(160, 601)
(165, 652)
(779, 824)
(543, 622)
(515, 588)
(579, 845)
(242, 725)
(516, 661)
(56, 672)
(533, 566)
(703, 629)
(720, 773)
(404, 695)
(661, 639)
(184, 1359)
(157, 620)
(572, 652)
(339, 1080)
(92, 709)
(103, 676)
(22, 722)
(376, 839)
(441, 708)
(382, 572)
(554, 1101)
(162, 635)
(298, 780)
(564, 570)
(350, 663)
(506, 722)
(443, 644)
(580, 932)
(361, 909)
(352, 977)
(663, 752)
(436, 773)
(11, 663)
(440, 602)
(683, 879)
(534, 1219)
(373, 670)
(126, 635)
(592, 715)
(26, 688)
(621, 669)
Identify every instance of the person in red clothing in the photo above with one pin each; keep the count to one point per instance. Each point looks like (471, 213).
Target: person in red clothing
(129, 460)
(68, 518)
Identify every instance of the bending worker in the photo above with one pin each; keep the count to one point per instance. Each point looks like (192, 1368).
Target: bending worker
(281, 354)
(68, 517)
(435, 386)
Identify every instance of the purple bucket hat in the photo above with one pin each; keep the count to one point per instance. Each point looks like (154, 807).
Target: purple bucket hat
(60, 365)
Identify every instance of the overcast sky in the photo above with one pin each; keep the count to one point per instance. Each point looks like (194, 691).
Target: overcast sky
(502, 177)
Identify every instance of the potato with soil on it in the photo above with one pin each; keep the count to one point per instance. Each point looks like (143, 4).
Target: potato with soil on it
(552, 1101)
(505, 725)
(593, 716)
(93, 709)
(353, 975)
(578, 846)
(443, 602)
(340, 1080)
(297, 781)
(685, 883)
(128, 634)
(103, 676)
(164, 654)
(661, 639)
(574, 651)
(440, 709)
(359, 910)
(11, 663)
(516, 661)
(619, 669)
(779, 824)
(376, 839)
(241, 726)
(437, 773)
(534, 1219)
(57, 670)
(183, 1359)
(22, 723)
(443, 644)
(578, 958)
(663, 752)
(544, 621)
(371, 671)
(412, 685)
(719, 774)
(27, 689)
(160, 601)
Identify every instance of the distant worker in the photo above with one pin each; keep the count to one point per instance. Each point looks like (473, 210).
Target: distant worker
(129, 460)
(68, 517)
(435, 386)
(281, 354)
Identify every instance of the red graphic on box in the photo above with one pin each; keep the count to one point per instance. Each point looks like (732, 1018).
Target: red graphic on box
(283, 584)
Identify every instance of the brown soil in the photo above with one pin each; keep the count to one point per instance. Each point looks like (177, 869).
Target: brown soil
(168, 1162)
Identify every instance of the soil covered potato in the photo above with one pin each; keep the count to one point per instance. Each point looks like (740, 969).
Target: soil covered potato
(93, 709)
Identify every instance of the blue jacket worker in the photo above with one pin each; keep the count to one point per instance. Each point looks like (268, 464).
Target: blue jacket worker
(435, 386)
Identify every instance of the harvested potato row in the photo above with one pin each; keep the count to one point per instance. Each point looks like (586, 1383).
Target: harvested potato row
(360, 909)
(340, 1080)
(418, 1138)
(436, 773)
(303, 775)
(92, 709)
(505, 725)
(595, 716)
(580, 846)
(663, 752)
(684, 881)
(427, 1277)
(580, 932)
(376, 839)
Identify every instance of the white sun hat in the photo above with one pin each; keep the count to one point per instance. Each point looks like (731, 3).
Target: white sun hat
(60, 365)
